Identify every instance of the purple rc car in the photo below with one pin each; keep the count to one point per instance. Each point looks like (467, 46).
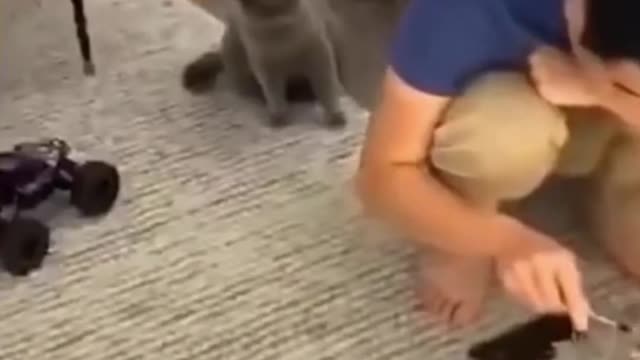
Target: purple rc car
(29, 175)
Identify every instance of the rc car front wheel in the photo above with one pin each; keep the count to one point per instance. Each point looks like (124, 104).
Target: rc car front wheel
(95, 188)
(24, 243)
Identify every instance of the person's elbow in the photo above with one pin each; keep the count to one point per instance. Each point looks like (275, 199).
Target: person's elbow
(396, 145)
(374, 183)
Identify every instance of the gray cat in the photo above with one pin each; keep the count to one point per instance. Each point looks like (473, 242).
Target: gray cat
(272, 45)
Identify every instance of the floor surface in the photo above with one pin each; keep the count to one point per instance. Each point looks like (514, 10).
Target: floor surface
(230, 240)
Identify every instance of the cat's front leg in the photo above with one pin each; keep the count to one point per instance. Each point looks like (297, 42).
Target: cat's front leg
(273, 85)
(323, 73)
(237, 65)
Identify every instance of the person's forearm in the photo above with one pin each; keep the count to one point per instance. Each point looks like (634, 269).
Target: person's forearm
(419, 206)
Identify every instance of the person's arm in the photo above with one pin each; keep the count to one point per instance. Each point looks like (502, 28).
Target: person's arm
(394, 182)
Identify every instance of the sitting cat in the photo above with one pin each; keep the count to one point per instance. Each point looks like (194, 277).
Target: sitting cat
(279, 47)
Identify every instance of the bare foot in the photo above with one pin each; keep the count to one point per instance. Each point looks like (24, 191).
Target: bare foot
(453, 289)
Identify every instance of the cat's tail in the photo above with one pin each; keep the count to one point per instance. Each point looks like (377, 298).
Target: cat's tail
(200, 75)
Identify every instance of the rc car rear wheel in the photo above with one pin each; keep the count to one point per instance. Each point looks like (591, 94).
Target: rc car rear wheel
(95, 188)
(24, 243)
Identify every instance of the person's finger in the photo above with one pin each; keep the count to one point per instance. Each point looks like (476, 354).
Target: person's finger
(549, 288)
(512, 287)
(524, 276)
(573, 294)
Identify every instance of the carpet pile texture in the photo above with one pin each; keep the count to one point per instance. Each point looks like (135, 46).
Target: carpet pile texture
(230, 240)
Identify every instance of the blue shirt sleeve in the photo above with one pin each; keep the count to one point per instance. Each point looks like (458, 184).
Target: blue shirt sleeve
(440, 44)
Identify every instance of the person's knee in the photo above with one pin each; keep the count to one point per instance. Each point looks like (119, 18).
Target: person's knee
(615, 211)
(499, 137)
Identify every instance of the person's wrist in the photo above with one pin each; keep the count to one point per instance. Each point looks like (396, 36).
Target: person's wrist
(505, 233)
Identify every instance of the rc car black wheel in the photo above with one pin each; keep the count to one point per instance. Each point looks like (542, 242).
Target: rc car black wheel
(95, 188)
(24, 243)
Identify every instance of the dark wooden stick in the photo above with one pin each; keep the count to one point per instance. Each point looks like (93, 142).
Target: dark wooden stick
(83, 36)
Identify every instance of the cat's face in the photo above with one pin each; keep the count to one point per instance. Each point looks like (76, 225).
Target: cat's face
(268, 7)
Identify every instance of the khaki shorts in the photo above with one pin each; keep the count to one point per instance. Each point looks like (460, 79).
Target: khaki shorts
(500, 140)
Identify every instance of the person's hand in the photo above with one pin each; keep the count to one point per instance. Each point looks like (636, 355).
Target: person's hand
(567, 80)
(627, 74)
(542, 275)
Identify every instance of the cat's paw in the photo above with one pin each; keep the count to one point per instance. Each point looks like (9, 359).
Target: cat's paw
(336, 120)
(200, 75)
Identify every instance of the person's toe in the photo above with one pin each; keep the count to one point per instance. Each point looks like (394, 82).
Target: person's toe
(444, 308)
(434, 303)
(466, 314)
(452, 312)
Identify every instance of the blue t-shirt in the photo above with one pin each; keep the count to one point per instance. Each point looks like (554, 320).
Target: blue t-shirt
(440, 45)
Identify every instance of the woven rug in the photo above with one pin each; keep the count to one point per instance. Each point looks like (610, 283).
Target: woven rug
(230, 241)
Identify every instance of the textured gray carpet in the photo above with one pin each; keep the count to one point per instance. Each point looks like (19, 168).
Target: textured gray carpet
(230, 241)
